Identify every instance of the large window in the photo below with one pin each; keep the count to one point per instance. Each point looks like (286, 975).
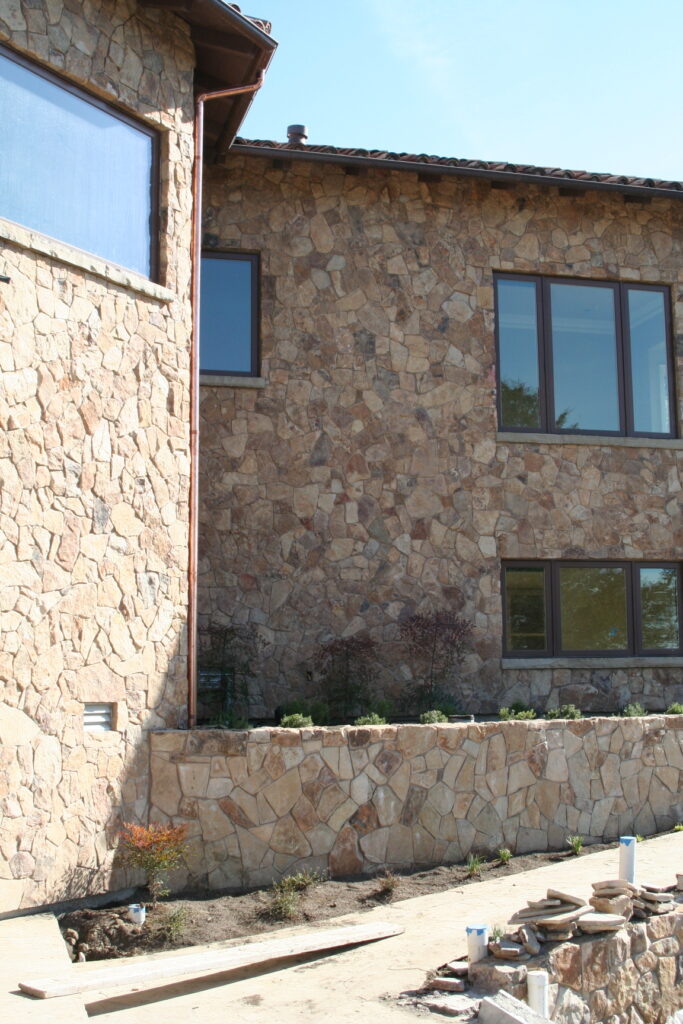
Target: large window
(592, 608)
(74, 168)
(583, 357)
(228, 329)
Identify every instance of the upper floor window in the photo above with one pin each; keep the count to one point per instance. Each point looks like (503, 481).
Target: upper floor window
(583, 357)
(75, 168)
(592, 608)
(228, 329)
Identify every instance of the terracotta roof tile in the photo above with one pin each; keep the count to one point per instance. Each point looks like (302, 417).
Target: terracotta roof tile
(480, 168)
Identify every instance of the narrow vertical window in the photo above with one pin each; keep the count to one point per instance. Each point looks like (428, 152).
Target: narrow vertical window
(520, 395)
(525, 609)
(649, 361)
(228, 332)
(659, 598)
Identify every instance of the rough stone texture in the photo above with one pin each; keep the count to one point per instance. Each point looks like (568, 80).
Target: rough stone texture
(365, 480)
(625, 978)
(94, 412)
(277, 815)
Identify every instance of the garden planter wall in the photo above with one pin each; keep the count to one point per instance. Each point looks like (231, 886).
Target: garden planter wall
(266, 802)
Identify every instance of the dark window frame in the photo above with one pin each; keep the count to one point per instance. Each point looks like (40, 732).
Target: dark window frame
(620, 290)
(254, 258)
(109, 107)
(553, 611)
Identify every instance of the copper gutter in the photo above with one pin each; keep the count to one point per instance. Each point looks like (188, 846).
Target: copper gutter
(197, 180)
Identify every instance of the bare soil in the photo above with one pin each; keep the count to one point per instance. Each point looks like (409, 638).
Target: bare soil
(193, 918)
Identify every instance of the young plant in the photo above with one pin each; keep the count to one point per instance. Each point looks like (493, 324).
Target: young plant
(474, 865)
(433, 717)
(640, 839)
(436, 643)
(176, 922)
(564, 711)
(387, 884)
(576, 843)
(227, 668)
(346, 674)
(497, 933)
(634, 710)
(283, 904)
(504, 855)
(678, 827)
(154, 849)
(372, 719)
(299, 882)
(675, 709)
(296, 721)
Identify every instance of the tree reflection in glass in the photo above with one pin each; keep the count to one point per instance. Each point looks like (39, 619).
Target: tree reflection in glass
(659, 608)
(518, 354)
(593, 609)
(525, 624)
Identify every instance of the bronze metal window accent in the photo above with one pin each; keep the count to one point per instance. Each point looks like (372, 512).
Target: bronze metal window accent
(584, 357)
(229, 325)
(86, 173)
(583, 609)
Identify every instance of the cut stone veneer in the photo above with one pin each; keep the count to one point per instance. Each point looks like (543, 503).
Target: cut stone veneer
(261, 803)
(94, 476)
(625, 978)
(366, 478)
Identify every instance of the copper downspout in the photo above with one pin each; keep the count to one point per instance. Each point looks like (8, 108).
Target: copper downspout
(197, 180)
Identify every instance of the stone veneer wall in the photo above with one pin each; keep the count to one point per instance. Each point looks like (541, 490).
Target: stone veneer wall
(94, 446)
(365, 479)
(262, 803)
(630, 977)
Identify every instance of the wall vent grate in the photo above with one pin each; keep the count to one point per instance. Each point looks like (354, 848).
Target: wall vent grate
(98, 717)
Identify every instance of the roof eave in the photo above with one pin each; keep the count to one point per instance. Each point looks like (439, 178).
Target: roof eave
(448, 170)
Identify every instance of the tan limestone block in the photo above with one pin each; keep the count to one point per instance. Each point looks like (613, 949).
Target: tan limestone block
(194, 778)
(284, 792)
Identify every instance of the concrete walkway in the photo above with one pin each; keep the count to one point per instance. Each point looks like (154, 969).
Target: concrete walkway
(359, 984)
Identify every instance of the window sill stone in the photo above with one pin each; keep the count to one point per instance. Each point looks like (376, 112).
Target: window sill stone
(220, 380)
(593, 663)
(596, 440)
(63, 253)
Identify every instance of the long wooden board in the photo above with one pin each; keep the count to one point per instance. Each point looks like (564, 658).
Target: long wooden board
(144, 969)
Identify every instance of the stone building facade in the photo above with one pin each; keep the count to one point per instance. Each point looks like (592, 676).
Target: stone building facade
(363, 475)
(94, 469)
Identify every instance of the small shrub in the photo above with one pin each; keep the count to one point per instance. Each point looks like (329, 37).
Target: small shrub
(436, 643)
(474, 864)
(675, 709)
(517, 712)
(640, 839)
(564, 711)
(300, 882)
(176, 922)
(154, 849)
(504, 855)
(678, 827)
(296, 721)
(384, 707)
(576, 843)
(346, 671)
(634, 710)
(432, 717)
(387, 884)
(497, 933)
(283, 904)
(372, 719)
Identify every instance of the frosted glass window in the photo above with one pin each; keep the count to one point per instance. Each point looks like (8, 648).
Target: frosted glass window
(75, 169)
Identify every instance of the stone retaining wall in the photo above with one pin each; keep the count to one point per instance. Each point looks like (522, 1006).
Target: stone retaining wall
(625, 978)
(266, 802)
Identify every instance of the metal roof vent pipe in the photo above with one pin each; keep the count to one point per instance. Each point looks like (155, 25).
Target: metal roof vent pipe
(297, 134)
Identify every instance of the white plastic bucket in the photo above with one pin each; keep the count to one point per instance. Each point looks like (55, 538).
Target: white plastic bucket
(627, 858)
(137, 912)
(477, 942)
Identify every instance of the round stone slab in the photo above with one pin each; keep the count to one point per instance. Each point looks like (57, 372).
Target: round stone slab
(601, 923)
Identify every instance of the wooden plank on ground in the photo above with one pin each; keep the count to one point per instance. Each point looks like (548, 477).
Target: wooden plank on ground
(116, 973)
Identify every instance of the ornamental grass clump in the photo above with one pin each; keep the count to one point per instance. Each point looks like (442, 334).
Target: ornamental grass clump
(154, 849)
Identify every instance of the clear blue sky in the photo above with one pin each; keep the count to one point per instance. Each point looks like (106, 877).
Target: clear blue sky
(587, 84)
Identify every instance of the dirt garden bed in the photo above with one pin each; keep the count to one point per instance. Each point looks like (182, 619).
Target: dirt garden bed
(192, 918)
